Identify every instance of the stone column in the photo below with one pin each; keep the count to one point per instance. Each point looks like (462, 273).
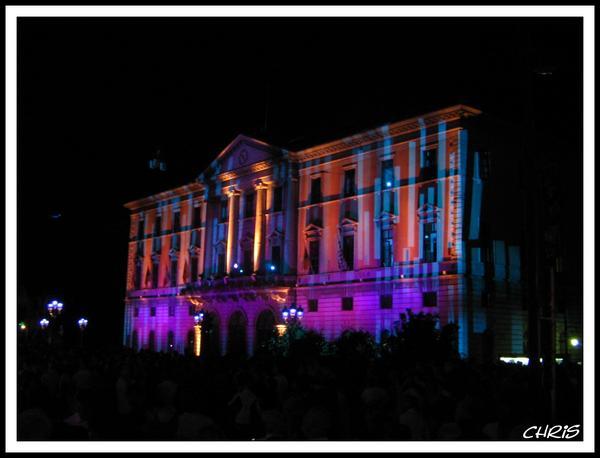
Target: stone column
(290, 248)
(233, 197)
(261, 191)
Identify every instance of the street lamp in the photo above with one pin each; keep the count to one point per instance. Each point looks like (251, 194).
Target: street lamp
(198, 319)
(575, 342)
(22, 326)
(54, 307)
(82, 322)
(293, 314)
(44, 323)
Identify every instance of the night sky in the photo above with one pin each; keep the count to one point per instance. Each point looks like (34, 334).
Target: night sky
(97, 98)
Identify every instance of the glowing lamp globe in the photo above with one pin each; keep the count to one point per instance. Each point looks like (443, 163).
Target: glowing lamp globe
(574, 342)
(44, 323)
(199, 317)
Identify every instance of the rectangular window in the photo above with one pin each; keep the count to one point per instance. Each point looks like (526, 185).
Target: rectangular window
(249, 206)
(313, 305)
(387, 173)
(221, 263)
(173, 272)
(349, 182)
(155, 274)
(248, 263)
(347, 304)
(196, 239)
(428, 163)
(276, 257)
(223, 210)
(197, 216)
(350, 209)
(387, 247)
(277, 198)
(136, 312)
(175, 242)
(313, 251)
(315, 191)
(430, 299)
(429, 242)
(152, 311)
(385, 301)
(141, 228)
(156, 245)
(194, 269)
(176, 221)
(158, 225)
(388, 202)
(171, 310)
(349, 251)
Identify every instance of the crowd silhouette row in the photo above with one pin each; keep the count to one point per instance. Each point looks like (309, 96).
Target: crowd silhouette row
(412, 386)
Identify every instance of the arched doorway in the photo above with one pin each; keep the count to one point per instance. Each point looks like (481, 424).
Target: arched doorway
(265, 328)
(135, 342)
(210, 335)
(236, 342)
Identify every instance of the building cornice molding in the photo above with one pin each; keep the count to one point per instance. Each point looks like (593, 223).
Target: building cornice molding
(403, 127)
(246, 170)
(165, 195)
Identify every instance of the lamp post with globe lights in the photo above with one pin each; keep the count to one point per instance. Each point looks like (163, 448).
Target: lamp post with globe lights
(198, 319)
(291, 315)
(55, 309)
(82, 323)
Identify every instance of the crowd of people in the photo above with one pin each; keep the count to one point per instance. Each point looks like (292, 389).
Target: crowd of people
(91, 393)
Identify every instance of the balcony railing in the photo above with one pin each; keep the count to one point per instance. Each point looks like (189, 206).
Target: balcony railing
(398, 271)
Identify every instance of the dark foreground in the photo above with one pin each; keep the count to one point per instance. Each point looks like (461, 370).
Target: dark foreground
(72, 393)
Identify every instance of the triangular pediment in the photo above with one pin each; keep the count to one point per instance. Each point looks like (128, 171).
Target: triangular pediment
(428, 211)
(243, 152)
(312, 227)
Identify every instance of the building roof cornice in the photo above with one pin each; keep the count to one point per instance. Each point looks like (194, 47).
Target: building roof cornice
(165, 195)
(389, 130)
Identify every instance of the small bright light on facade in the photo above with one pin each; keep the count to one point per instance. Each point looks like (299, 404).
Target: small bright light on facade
(44, 323)
(388, 184)
(443, 272)
(401, 275)
(285, 313)
(235, 265)
(575, 342)
(300, 313)
(272, 267)
(241, 271)
(22, 326)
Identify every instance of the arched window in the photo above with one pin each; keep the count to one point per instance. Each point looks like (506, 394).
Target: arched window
(152, 341)
(171, 341)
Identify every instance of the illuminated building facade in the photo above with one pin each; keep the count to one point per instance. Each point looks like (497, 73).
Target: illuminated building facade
(355, 231)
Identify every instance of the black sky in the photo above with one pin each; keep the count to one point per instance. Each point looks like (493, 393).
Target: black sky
(96, 98)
